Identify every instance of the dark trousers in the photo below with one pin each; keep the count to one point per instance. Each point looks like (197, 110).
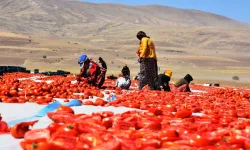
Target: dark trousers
(148, 72)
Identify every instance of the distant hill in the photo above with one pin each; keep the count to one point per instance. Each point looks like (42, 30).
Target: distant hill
(74, 18)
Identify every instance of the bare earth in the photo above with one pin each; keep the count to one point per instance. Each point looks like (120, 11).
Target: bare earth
(210, 47)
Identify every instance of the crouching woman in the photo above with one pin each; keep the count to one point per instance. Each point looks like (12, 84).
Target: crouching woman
(91, 72)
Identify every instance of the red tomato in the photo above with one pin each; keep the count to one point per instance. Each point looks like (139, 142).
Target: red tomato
(39, 98)
(88, 103)
(235, 140)
(100, 95)
(3, 126)
(21, 93)
(34, 146)
(88, 119)
(247, 144)
(90, 139)
(134, 105)
(69, 129)
(170, 108)
(23, 144)
(87, 93)
(66, 100)
(61, 117)
(37, 135)
(19, 130)
(65, 109)
(127, 143)
(45, 88)
(63, 142)
(169, 133)
(53, 127)
(149, 124)
(13, 93)
(107, 122)
(155, 111)
(82, 146)
(90, 127)
(100, 102)
(144, 143)
(110, 145)
(200, 141)
(185, 113)
(106, 114)
(122, 125)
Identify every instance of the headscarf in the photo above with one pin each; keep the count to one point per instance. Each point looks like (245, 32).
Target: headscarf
(82, 59)
(100, 59)
(168, 72)
(188, 77)
(141, 35)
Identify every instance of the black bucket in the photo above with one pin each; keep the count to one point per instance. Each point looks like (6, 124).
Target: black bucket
(217, 84)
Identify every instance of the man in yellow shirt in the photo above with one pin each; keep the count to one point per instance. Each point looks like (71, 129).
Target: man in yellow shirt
(148, 61)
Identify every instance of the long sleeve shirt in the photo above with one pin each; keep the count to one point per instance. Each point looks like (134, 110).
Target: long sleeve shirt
(123, 82)
(89, 71)
(163, 81)
(182, 82)
(146, 49)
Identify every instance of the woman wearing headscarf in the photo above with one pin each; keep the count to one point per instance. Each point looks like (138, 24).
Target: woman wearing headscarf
(162, 82)
(90, 71)
(104, 65)
(125, 71)
(148, 61)
(124, 81)
(183, 84)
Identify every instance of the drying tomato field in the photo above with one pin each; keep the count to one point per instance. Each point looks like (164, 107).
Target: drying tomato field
(212, 119)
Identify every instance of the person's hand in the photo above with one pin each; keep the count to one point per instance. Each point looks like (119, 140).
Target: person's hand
(84, 80)
(161, 88)
(139, 60)
(78, 78)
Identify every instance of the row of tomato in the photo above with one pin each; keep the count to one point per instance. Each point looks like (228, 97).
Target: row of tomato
(135, 131)
(157, 128)
(18, 75)
(15, 91)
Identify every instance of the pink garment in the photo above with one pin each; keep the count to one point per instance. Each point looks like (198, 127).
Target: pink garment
(183, 88)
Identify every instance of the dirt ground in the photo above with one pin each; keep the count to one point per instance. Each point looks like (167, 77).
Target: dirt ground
(50, 54)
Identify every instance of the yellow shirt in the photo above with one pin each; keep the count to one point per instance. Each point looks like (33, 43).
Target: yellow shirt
(147, 48)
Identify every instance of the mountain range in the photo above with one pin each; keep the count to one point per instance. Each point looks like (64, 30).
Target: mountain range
(74, 18)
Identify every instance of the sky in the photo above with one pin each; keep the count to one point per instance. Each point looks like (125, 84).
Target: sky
(235, 9)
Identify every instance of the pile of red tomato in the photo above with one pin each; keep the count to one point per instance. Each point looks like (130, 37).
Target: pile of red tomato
(21, 91)
(151, 130)
(20, 75)
(212, 120)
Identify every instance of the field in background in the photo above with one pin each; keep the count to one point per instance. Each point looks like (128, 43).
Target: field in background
(206, 65)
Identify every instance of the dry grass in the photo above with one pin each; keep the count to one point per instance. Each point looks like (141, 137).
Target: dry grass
(12, 35)
(199, 60)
